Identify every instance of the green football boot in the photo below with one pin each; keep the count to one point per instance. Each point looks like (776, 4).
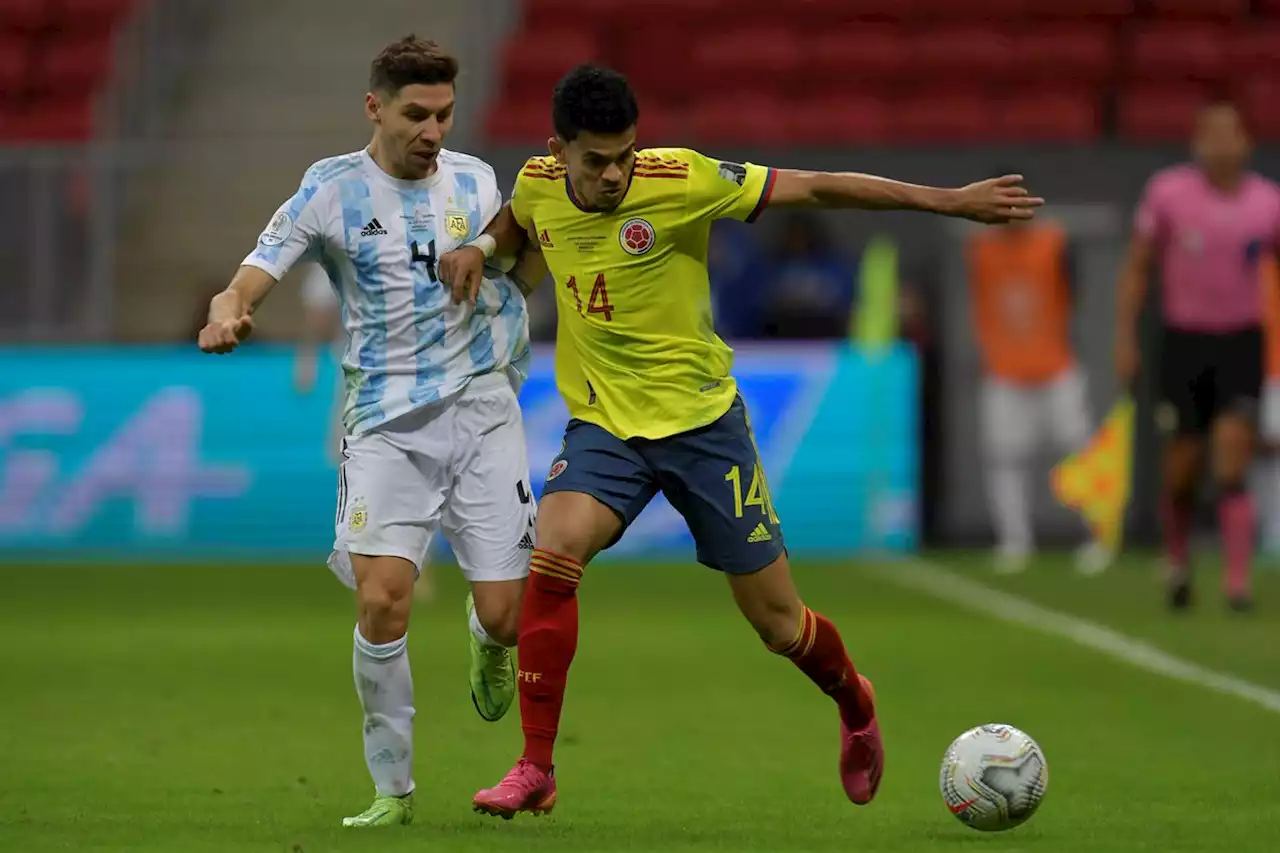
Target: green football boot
(385, 811)
(493, 675)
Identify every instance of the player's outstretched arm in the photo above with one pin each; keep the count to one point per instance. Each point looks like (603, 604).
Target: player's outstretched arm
(992, 201)
(463, 268)
(231, 311)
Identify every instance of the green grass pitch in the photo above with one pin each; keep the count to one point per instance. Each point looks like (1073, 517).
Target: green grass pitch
(210, 710)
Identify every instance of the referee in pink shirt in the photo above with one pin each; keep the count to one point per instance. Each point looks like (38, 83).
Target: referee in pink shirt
(1205, 225)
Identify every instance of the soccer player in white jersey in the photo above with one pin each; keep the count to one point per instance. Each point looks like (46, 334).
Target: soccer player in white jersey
(434, 433)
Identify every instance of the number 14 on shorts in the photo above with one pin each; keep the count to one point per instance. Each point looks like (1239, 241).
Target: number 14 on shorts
(757, 493)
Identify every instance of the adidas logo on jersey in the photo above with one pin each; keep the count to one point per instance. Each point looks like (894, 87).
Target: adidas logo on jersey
(373, 229)
(545, 239)
(760, 534)
(526, 542)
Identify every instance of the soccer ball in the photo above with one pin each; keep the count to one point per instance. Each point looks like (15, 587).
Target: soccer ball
(993, 777)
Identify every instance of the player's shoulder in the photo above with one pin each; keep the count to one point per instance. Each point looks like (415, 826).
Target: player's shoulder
(544, 168)
(459, 162)
(1262, 184)
(665, 163)
(331, 169)
(1180, 177)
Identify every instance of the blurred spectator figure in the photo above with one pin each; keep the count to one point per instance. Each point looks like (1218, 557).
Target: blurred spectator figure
(811, 289)
(321, 326)
(738, 280)
(1269, 469)
(1033, 394)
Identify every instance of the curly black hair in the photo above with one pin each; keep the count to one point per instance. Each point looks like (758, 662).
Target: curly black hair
(595, 100)
(411, 60)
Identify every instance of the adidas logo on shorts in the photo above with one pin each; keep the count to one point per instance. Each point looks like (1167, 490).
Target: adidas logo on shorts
(526, 542)
(373, 229)
(760, 534)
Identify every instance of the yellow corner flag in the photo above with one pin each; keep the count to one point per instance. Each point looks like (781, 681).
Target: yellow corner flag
(1094, 481)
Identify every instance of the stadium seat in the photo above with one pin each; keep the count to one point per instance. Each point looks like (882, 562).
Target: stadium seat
(839, 120)
(768, 58)
(1254, 50)
(821, 13)
(945, 118)
(739, 118)
(1172, 52)
(1082, 9)
(867, 54)
(1202, 10)
(1052, 116)
(1270, 8)
(86, 15)
(1259, 98)
(972, 52)
(66, 120)
(1072, 53)
(1153, 113)
(655, 82)
(535, 60)
(13, 68)
(72, 63)
(25, 15)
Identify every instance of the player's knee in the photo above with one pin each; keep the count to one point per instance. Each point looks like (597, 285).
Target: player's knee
(577, 529)
(383, 609)
(499, 615)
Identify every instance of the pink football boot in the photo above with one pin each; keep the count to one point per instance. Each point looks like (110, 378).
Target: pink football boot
(861, 756)
(525, 789)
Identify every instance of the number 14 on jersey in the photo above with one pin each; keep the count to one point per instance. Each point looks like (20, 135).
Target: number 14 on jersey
(598, 302)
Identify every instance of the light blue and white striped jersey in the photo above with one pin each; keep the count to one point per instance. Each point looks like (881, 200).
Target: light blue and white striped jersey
(379, 240)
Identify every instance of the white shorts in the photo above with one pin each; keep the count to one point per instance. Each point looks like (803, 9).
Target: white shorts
(1269, 425)
(460, 464)
(1017, 420)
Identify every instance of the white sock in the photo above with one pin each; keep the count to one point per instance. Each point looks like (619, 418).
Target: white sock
(478, 631)
(1010, 507)
(385, 687)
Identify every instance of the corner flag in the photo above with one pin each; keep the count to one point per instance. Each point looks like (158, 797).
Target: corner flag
(1095, 480)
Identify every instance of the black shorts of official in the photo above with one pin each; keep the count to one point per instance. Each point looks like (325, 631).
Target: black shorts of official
(712, 476)
(1207, 374)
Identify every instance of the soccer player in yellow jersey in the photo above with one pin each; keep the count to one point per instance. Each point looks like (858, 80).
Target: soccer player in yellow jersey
(653, 402)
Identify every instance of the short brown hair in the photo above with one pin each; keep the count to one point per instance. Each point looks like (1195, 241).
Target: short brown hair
(411, 60)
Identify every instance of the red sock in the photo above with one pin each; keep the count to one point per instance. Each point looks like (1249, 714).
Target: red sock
(1175, 518)
(819, 653)
(548, 640)
(1235, 518)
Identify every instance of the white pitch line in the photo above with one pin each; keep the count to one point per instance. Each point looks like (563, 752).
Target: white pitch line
(937, 582)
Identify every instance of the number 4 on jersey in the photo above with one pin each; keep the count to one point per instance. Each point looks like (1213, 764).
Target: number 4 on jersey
(598, 302)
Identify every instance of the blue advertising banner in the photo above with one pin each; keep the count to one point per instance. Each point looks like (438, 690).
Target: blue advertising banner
(166, 453)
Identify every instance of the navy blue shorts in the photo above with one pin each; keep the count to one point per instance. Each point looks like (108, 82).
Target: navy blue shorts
(712, 476)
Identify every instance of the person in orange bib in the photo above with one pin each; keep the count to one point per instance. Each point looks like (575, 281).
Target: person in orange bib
(1033, 394)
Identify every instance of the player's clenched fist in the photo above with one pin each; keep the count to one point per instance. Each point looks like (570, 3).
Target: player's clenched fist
(225, 335)
(462, 270)
(996, 201)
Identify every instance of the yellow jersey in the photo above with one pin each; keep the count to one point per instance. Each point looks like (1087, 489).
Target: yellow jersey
(636, 351)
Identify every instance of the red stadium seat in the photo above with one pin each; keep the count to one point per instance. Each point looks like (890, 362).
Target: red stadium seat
(1202, 10)
(768, 59)
(968, 53)
(1050, 117)
(13, 67)
(818, 13)
(840, 120)
(85, 15)
(1259, 98)
(1152, 113)
(666, 80)
(1254, 50)
(1270, 8)
(65, 121)
(864, 54)
(1082, 9)
(973, 11)
(946, 118)
(1178, 52)
(739, 118)
(73, 63)
(1070, 53)
(25, 15)
(534, 61)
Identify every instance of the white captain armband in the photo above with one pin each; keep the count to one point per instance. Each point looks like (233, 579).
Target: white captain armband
(486, 244)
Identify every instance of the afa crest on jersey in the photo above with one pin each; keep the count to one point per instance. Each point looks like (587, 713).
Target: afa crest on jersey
(457, 223)
(636, 236)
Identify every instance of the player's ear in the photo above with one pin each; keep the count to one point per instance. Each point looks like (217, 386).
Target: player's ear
(372, 107)
(556, 147)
